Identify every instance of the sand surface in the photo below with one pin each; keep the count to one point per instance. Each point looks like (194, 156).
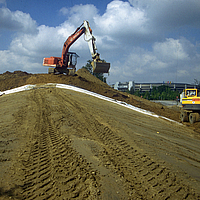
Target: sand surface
(61, 144)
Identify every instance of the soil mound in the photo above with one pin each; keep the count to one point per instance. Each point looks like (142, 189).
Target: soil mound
(85, 80)
(61, 144)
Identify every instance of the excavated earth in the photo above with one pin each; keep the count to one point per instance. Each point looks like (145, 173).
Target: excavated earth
(61, 144)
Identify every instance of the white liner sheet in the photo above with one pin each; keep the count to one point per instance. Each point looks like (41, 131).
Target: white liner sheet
(70, 87)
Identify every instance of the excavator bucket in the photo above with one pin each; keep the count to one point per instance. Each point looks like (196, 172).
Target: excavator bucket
(100, 67)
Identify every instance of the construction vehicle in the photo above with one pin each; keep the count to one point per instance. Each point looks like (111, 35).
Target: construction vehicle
(190, 99)
(67, 62)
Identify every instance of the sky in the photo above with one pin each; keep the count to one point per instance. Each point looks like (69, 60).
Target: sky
(143, 40)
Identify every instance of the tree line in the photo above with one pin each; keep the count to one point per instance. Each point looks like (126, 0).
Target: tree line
(162, 92)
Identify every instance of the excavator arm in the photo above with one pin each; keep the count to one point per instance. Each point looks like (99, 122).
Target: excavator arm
(98, 65)
(90, 39)
(70, 40)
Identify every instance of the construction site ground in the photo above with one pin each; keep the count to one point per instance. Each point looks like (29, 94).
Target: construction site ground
(61, 144)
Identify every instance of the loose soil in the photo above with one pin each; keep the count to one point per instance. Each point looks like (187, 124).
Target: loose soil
(61, 144)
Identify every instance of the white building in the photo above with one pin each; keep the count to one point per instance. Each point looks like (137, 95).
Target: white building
(143, 87)
(124, 86)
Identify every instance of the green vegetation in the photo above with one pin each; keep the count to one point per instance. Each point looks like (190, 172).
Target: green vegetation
(162, 92)
(88, 66)
(100, 76)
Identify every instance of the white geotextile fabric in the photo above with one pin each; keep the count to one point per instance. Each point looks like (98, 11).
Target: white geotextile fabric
(70, 87)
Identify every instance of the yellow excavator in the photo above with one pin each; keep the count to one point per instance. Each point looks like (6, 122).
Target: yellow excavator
(190, 99)
(67, 62)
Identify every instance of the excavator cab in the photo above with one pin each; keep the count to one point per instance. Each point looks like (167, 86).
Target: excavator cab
(71, 65)
(72, 59)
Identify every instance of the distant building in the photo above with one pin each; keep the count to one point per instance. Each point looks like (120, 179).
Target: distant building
(123, 86)
(143, 87)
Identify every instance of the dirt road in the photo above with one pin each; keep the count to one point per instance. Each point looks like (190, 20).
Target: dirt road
(60, 144)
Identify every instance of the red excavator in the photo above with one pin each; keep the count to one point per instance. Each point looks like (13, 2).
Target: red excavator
(67, 62)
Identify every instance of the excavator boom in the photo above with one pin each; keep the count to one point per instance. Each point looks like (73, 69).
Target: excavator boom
(98, 65)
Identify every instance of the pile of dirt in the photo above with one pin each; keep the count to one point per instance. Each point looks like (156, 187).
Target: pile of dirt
(85, 80)
(61, 144)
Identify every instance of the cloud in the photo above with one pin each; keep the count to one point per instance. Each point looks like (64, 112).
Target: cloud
(17, 21)
(47, 42)
(64, 11)
(35, 45)
(139, 39)
(26, 51)
(122, 21)
(3, 2)
(76, 14)
(170, 14)
(168, 60)
(13, 62)
(171, 49)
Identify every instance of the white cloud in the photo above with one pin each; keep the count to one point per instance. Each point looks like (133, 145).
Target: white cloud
(3, 2)
(78, 13)
(47, 40)
(132, 37)
(29, 50)
(121, 20)
(168, 60)
(171, 49)
(17, 21)
(64, 11)
(14, 62)
(170, 13)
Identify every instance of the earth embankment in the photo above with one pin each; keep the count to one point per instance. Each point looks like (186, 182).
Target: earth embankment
(85, 80)
(61, 144)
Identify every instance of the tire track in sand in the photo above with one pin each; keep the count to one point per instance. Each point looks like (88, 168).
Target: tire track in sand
(143, 177)
(53, 169)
